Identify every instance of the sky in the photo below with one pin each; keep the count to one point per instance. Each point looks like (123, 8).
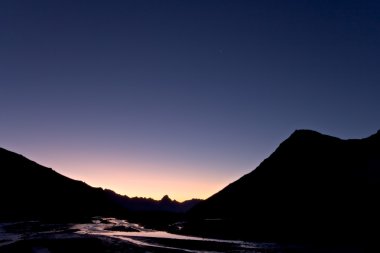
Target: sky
(150, 97)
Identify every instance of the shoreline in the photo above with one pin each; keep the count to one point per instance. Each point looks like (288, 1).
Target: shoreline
(39, 237)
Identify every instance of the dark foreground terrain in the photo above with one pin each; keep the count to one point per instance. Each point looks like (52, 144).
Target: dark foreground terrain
(39, 237)
(109, 235)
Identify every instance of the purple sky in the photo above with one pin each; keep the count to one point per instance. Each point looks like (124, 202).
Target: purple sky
(181, 97)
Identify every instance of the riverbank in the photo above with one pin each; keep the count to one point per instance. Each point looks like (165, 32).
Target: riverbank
(110, 235)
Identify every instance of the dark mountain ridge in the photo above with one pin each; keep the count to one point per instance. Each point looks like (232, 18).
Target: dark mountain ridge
(313, 187)
(29, 190)
(140, 204)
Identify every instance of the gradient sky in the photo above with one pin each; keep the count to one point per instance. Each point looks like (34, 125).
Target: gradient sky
(181, 97)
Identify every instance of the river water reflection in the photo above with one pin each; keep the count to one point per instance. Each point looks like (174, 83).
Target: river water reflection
(139, 235)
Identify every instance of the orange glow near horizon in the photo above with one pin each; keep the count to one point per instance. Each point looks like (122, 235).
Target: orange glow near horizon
(156, 185)
(146, 180)
(133, 176)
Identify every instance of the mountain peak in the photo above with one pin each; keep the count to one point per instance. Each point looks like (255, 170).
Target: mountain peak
(166, 198)
(297, 131)
(304, 133)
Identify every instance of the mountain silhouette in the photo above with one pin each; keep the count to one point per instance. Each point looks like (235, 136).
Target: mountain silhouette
(166, 204)
(314, 187)
(29, 190)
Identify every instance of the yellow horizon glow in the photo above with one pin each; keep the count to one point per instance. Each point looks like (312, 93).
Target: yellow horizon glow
(179, 189)
(148, 178)
(143, 182)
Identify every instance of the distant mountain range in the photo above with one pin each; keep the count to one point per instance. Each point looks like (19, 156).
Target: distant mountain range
(166, 204)
(29, 190)
(314, 187)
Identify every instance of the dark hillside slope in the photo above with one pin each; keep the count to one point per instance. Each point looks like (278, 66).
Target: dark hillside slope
(313, 187)
(29, 190)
